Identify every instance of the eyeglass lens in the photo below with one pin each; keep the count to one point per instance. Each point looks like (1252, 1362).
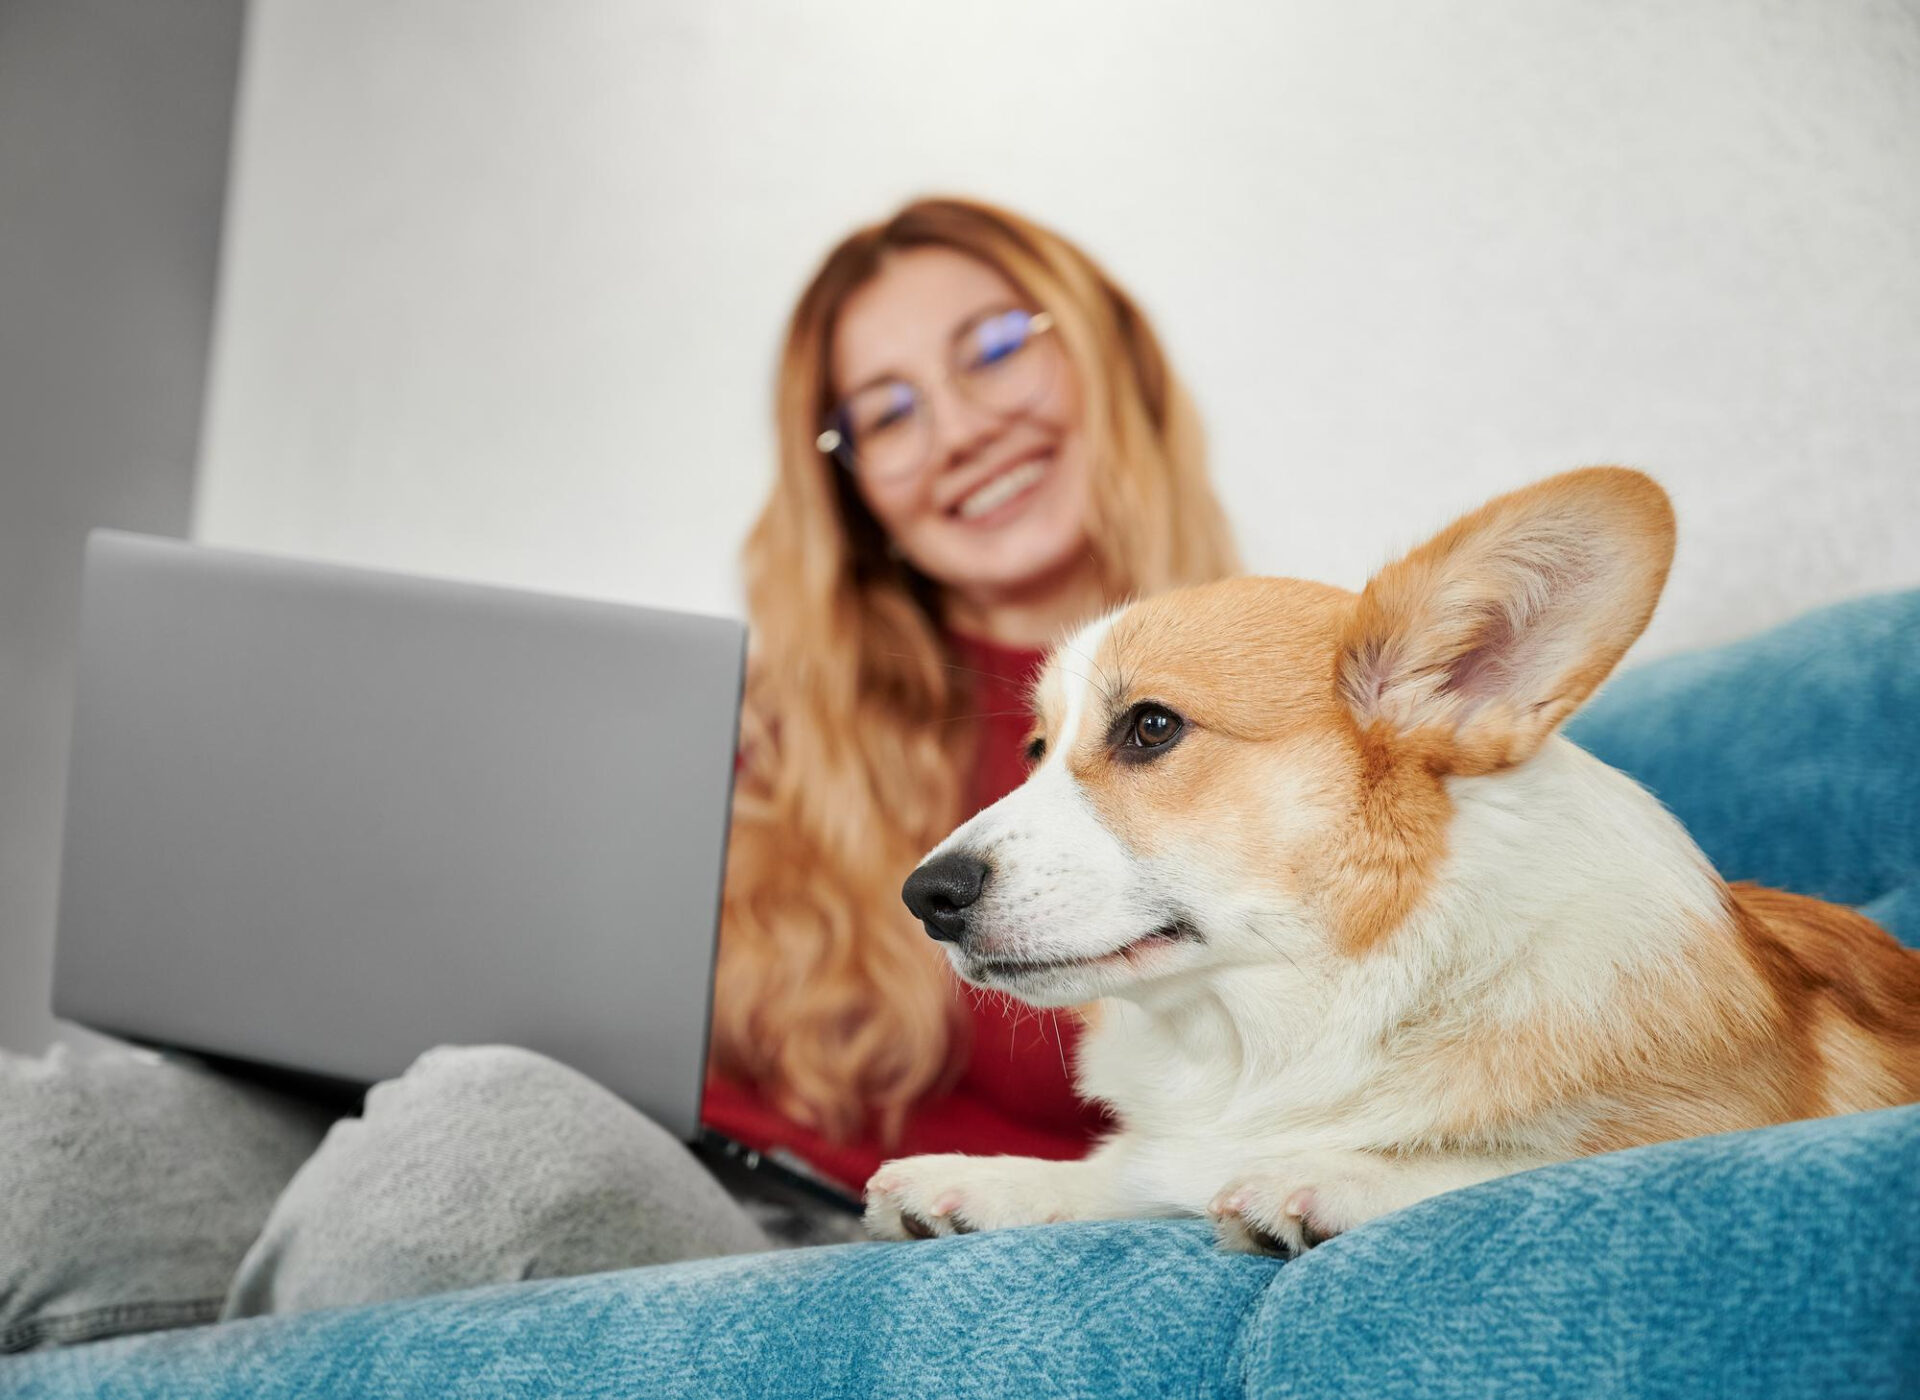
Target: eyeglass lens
(884, 429)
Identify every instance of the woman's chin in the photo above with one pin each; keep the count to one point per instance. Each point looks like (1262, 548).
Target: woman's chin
(1017, 557)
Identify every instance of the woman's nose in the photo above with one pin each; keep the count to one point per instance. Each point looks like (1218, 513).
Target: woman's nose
(961, 427)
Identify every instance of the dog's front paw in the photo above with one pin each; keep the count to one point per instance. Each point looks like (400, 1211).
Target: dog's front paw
(919, 1198)
(915, 1199)
(1271, 1215)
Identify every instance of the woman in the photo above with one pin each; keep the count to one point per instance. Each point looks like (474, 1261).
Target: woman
(980, 446)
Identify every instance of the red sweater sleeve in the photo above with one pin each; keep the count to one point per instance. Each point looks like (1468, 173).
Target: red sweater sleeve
(1015, 1093)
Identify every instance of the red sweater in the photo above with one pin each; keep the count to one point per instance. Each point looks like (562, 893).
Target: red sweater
(1015, 1093)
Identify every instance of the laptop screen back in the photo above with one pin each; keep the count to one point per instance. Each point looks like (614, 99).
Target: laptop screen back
(324, 819)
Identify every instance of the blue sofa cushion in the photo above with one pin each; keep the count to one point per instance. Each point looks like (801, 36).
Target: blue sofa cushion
(1107, 1309)
(1780, 1263)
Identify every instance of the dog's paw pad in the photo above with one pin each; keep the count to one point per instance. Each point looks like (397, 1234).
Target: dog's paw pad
(1250, 1219)
(902, 1207)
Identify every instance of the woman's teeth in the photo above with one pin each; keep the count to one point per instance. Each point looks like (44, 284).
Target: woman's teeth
(1001, 489)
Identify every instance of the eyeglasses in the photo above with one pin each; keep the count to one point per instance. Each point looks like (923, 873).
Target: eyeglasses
(1001, 360)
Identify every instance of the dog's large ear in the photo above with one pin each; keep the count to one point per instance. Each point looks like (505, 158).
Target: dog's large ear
(1486, 637)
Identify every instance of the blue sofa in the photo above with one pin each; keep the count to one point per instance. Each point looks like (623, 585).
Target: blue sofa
(1779, 1263)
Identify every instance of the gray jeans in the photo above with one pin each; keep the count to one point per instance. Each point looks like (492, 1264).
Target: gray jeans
(138, 1191)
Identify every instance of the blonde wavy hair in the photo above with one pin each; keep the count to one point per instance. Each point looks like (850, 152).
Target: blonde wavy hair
(829, 999)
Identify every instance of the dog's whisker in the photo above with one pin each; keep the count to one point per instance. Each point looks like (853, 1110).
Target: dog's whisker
(1106, 686)
(947, 665)
(1254, 926)
(983, 714)
(1060, 1044)
(1080, 676)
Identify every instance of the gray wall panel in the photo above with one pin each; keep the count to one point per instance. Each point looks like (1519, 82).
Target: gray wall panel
(114, 126)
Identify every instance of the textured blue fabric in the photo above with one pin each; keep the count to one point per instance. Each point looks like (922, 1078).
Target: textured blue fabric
(1782, 1263)
(1118, 1310)
(1793, 756)
(1779, 1264)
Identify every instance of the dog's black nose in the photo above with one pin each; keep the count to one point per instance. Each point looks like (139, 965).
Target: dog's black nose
(940, 892)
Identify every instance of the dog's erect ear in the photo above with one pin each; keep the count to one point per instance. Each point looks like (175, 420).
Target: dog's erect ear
(1486, 637)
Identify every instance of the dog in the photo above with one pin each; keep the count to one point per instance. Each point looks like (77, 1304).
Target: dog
(1359, 927)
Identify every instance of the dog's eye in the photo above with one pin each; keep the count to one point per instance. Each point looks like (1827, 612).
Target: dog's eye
(1152, 727)
(1036, 749)
(1144, 732)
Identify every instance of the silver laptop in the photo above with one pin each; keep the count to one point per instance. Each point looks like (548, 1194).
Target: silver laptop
(323, 819)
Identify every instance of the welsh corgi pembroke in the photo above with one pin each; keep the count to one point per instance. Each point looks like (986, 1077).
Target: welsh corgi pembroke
(1358, 926)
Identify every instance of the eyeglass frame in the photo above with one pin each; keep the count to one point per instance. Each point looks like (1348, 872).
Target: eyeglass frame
(833, 442)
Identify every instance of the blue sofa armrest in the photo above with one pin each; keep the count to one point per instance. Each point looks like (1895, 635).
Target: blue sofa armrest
(1777, 1264)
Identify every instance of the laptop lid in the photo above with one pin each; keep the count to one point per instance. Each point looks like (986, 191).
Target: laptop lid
(324, 818)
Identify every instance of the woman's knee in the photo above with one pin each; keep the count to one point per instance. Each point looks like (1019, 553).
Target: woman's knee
(466, 1063)
(474, 1072)
(130, 1187)
(484, 1164)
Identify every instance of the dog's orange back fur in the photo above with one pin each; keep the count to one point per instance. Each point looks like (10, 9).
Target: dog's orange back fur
(1845, 997)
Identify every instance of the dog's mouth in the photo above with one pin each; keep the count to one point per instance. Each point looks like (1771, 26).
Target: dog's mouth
(1135, 953)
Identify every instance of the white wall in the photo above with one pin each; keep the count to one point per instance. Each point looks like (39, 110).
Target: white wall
(504, 278)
